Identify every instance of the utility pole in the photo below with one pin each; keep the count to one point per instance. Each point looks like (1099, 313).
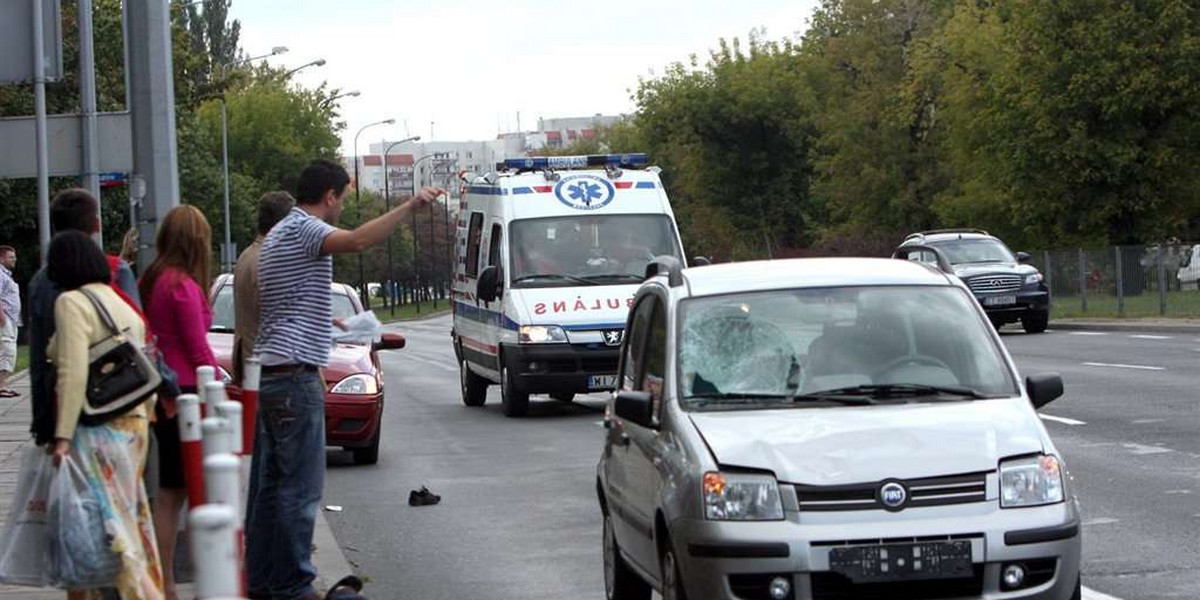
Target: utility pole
(152, 108)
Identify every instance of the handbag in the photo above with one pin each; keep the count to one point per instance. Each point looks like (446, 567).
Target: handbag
(120, 375)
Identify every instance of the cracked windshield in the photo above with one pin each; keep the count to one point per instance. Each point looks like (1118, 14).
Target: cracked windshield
(546, 300)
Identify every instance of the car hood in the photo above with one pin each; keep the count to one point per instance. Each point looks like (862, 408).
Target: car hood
(845, 445)
(582, 311)
(967, 271)
(344, 359)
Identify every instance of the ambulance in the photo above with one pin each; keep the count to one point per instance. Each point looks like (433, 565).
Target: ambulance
(549, 254)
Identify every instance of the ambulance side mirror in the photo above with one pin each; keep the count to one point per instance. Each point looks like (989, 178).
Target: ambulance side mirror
(490, 284)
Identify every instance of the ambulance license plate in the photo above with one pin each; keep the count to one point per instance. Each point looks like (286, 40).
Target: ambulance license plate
(602, 382)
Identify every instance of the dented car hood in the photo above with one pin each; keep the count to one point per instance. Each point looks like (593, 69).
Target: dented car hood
(844, 445)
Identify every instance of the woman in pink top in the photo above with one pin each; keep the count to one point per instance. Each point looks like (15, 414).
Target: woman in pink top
(173, 291)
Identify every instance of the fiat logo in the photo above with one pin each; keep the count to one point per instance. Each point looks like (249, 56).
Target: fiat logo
(893, 495)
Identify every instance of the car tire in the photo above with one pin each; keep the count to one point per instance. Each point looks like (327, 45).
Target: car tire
(513, 402)
(1078, 595)
(563, 397)
(474, 387)
(1036, 322)
(672, 582)
(370, 454)
(620, 581)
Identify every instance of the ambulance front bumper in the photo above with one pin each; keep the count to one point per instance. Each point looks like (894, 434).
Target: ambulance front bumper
(562, 368)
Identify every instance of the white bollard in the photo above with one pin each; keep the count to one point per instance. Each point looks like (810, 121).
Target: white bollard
(204, 376)
(212, 530)
(190, 430)
(217, 436)
(221, 479)
(231, 412)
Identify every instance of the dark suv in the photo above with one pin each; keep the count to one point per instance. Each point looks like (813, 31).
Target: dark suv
(1008, 289)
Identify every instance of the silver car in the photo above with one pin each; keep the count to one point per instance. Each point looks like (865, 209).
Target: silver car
(828, 429)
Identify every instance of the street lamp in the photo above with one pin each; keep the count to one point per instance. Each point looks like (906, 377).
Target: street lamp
(320, 62)
(227, 249)
(329, 101)
(362, 276)
(387, 200)
(416, 272)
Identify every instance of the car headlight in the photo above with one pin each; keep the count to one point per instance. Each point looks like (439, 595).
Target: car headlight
(360, 384)
(1033, 279)
(741, 497)
(1031, 481)
(541, 334)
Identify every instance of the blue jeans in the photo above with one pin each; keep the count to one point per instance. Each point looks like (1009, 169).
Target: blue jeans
(286, 479)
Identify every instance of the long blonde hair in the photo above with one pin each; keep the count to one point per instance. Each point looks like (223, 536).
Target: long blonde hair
(184, 242)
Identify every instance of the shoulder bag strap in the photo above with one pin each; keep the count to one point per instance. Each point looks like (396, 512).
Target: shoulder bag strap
(103, 312)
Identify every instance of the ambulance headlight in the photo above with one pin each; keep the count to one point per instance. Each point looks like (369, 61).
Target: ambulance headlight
(541, 334)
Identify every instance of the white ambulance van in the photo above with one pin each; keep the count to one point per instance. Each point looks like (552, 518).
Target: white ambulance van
(550, 252)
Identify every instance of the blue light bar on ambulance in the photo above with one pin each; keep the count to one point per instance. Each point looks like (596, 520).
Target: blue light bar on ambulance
(576, 162)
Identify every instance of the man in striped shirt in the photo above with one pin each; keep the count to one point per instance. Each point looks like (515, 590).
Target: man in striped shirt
(295, 271)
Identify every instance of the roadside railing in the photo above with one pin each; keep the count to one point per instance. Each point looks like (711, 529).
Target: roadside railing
(1123, 281)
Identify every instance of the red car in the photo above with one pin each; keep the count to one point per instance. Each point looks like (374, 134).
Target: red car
(353, 379)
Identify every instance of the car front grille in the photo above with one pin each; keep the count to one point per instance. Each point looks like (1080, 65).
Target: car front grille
(994, 284)
(933, 491)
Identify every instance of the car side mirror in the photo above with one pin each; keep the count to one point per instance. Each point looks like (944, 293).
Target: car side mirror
(634, 407)
(1023, 257)
(701, 261)
(488, 287)
(390, 341)
(1043, 389)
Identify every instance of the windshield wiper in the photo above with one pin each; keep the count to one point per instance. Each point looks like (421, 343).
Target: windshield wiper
(558, 276)
(735, 397)
(607, 276)
(895, 390)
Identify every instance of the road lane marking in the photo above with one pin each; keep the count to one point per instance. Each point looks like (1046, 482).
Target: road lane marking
(1143, 449)
(1100, 521)
(1089, 333)
(1122, 366)
(1177, 492)
(1146, 421)
(1090, 594)
(1062, 420)
(1150, 337)
(431, 362)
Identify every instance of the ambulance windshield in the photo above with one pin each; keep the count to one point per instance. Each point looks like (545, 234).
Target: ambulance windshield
(588, 250)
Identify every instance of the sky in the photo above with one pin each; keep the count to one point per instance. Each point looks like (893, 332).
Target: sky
(464, 68)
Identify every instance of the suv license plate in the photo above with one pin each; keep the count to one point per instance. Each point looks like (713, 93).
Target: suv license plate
(901, 562)
(602, 382)
(1000, 301)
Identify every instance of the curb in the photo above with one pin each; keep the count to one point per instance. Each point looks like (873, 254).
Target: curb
(328, 557)
(1183, 327)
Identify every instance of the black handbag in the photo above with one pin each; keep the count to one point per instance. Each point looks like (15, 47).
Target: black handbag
(120, 375)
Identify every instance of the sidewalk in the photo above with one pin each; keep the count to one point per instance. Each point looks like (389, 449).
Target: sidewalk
(14, 437)
(1156, 325)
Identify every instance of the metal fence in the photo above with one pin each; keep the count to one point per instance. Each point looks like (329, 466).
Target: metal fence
(1123, 281)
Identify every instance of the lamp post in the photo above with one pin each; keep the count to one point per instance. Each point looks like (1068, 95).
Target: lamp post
(417, 272)
(387, 200)
(362, 276)
(320, 62)
(330, 100)
(227, 249)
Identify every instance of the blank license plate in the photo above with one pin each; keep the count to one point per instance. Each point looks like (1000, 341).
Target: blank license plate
(903, 562)
(602, 382)
(1000, 301)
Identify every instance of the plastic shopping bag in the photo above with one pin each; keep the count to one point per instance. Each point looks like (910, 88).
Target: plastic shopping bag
(25, 543)
(81, 555)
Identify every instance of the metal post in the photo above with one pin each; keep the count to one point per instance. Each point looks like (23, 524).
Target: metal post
(216, 436)
(1083, 279)
(39, 112)
(226, 258)
(152, 105)
(87, 101)
(191, 447)
(205, 375)
(1162, 281)
(387, 206)
(212, 530)
(449, 256)
(1120, 284)
(1048, 272)
(433, 251)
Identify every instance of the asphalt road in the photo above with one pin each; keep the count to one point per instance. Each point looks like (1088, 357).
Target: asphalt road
(518, 518)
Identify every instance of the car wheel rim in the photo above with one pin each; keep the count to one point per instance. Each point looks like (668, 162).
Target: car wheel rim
(610, 559)
(669, 572)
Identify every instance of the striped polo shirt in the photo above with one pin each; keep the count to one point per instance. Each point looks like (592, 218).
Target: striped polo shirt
(293, 285)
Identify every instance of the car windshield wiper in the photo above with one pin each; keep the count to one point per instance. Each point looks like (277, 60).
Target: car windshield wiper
(896, 390)
(570, 278)
(625, 276)
(735, 397)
